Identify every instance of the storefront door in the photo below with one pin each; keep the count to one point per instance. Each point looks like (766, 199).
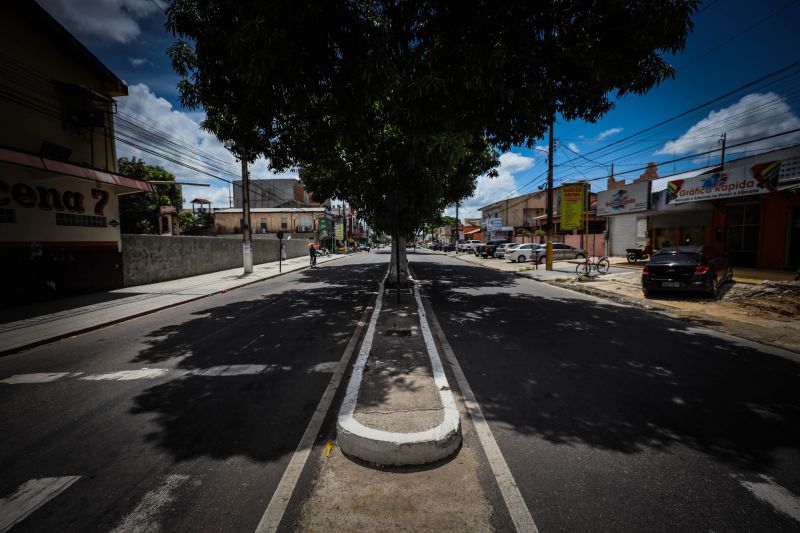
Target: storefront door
(743, 227)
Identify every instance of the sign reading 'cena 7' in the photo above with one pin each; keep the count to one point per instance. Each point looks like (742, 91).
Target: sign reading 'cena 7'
(50, 199)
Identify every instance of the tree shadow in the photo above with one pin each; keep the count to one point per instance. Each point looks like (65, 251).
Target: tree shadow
(283, 335)
(574, 371)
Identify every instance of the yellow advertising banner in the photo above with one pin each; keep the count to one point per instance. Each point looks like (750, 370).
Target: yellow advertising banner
(572, 201)
(339, 232)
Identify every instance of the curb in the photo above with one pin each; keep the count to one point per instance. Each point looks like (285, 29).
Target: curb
(390, 448)
(62, 336)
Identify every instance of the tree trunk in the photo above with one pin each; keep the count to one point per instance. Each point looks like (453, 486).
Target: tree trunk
(392, 281)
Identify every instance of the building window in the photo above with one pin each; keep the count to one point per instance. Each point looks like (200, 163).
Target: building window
(8, 216)
(284, 223)
(89, 221)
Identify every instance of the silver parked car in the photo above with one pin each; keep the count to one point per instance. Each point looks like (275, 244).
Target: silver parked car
(561, 252)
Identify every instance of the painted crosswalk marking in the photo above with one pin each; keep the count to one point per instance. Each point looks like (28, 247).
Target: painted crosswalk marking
(147, 514)
(30, 496)
(775, 495)
(152, 373)
(44, 377)
(127, 375)
(324, 367)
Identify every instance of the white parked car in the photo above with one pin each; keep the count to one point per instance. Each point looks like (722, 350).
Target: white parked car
(525, 252)
(467, 245)
(502, 250)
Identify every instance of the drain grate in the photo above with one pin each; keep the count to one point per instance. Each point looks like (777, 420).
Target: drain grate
(398, 333)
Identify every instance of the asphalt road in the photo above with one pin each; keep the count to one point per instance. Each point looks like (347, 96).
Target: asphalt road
(609, 418)
(146, 425)
(616, 419)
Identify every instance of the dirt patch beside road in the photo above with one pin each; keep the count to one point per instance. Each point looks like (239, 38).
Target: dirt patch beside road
(768, 312)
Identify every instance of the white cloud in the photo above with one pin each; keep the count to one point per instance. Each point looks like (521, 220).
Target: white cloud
(137, 62)
(109, 20)
(574, 148)
(160, 117)
(490, 190)
(754, 116)
(543, 149)
(608, 133)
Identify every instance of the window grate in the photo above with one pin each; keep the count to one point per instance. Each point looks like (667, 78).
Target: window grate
(8, 216)
(89, 221)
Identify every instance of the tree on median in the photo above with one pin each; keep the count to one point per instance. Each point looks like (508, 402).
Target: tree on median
(399, 106)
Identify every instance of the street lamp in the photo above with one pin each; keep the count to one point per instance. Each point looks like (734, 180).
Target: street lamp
(247, 247)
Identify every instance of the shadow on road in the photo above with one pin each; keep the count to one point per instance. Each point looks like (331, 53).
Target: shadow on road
(261, 416)
(574, 371)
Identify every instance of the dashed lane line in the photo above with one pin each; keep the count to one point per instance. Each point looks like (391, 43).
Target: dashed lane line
(29, 497)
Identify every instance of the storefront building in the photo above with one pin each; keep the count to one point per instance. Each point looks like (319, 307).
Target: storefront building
(749, 210)
(59, 210)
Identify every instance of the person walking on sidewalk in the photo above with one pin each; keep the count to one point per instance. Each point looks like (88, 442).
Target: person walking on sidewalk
(312, 256)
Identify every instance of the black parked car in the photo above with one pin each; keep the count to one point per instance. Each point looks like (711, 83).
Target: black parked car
(685, 268)
(487, 250)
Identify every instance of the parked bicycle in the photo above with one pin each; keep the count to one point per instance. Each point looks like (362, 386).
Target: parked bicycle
(585, 267)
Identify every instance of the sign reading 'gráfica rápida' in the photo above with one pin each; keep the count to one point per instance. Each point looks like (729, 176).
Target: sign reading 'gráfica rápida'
(739, 181)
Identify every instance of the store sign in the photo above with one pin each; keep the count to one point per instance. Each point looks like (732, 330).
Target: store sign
(323, 225)
(497, 224)
(627, 199)
(741, 181)
(50, 199)
(572, 202)
(340, 232)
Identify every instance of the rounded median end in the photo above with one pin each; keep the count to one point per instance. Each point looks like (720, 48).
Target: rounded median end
(386, 448)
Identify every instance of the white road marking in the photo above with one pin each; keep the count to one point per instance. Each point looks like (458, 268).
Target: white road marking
(520, 515)
(280, 498)
(127, 375)
(30, 496)
(324, 367)
(232, 370)
(145, 517)
(46, 377)
(390, 447)
(777, 496)
(147, 373)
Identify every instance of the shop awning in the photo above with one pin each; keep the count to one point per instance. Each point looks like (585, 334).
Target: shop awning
(24, 159)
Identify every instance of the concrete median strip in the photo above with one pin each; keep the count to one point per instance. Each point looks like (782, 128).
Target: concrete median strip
(415, 446)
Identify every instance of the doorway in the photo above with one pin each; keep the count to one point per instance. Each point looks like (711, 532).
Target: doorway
(743, 227)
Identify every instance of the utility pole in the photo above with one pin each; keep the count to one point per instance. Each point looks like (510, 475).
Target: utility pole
(722, 140)
(457, 223)
(248, 245)
(550, 150)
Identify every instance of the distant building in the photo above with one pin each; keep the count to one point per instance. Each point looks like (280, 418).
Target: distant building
(59, 187)
(278, 192)
(528, 213)
(270, 220)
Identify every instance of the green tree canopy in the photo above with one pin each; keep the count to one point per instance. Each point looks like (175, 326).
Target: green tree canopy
(139, 212)
(398, 106)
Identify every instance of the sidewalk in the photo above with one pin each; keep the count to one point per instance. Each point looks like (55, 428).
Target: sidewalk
(760, 305)
(30, 325)
(398, 408)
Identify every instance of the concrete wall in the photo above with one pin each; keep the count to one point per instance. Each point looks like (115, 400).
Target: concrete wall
(153, 258)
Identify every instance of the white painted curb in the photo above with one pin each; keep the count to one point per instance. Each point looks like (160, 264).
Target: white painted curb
(388, 447)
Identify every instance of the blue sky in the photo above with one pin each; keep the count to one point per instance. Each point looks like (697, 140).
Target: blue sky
(733, 42)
